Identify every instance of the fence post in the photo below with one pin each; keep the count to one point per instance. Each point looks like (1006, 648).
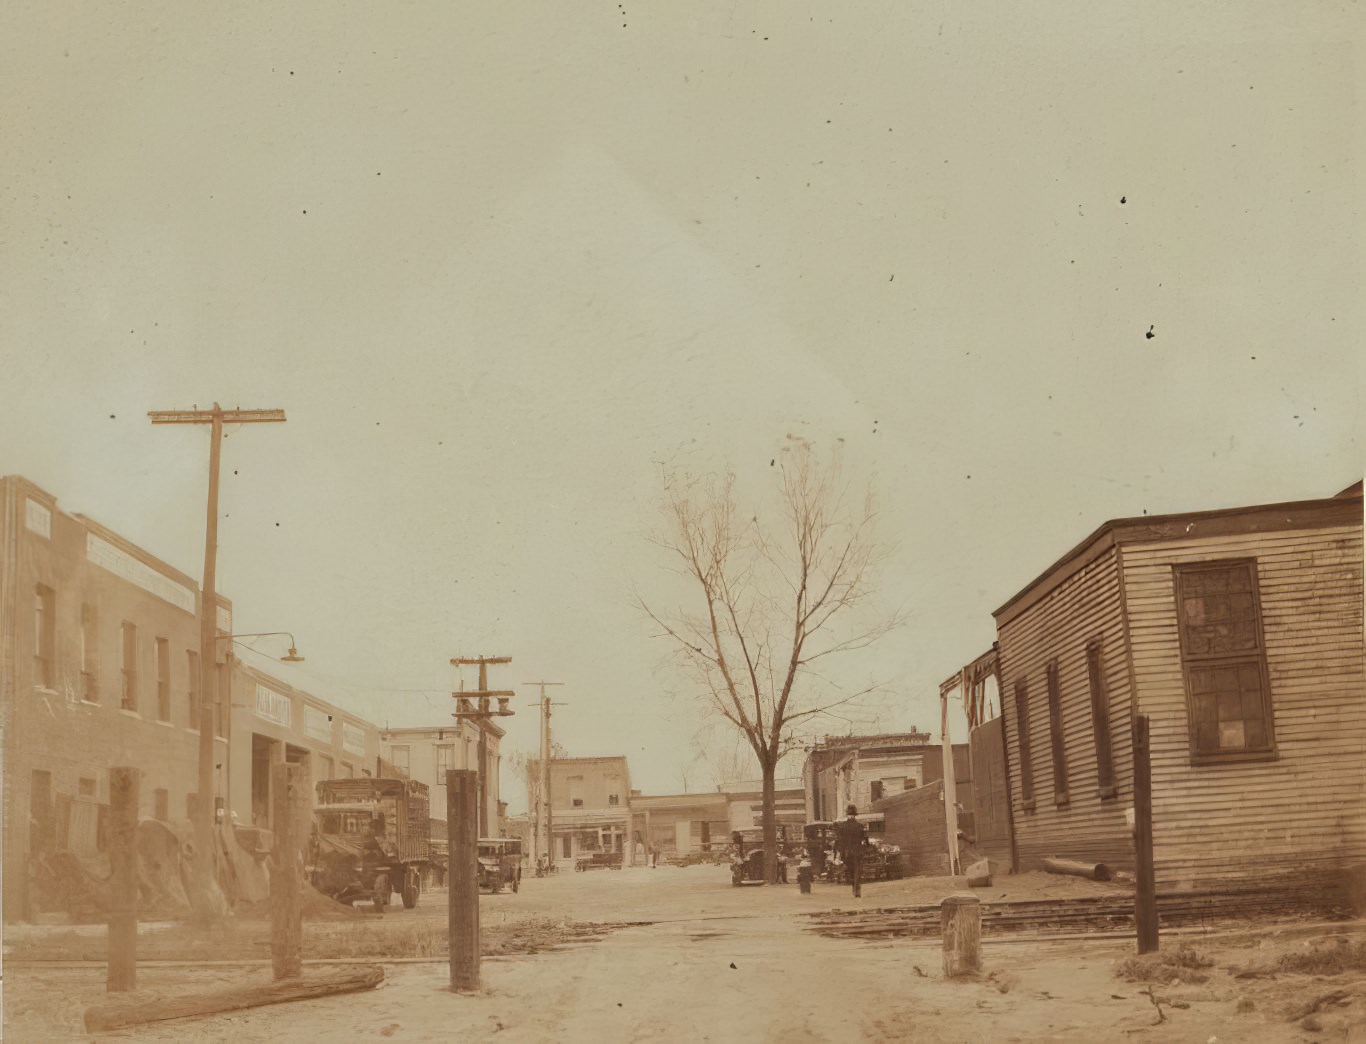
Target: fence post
(462, 828)
(123, 880)
(960, 918)
(1145, 894)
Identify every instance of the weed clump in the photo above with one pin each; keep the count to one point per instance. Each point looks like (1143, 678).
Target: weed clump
(1183, 964)
(1330, 957)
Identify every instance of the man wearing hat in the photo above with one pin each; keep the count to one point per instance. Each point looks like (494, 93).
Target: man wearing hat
(849, 837)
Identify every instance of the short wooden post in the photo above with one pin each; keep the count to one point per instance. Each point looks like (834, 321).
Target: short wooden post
(123, 880)
(286, 907)
(960, 917)
(462, 828)
(1145, 894)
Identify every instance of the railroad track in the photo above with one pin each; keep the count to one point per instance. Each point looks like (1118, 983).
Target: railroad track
(1093, 915)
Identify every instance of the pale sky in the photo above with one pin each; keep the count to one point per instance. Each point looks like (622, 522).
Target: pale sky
(499, 261)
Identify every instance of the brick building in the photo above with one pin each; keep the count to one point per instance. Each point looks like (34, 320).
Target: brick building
(99, 653)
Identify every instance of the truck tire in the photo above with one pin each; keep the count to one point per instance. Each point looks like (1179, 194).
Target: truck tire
(411, 890)
(383, 891)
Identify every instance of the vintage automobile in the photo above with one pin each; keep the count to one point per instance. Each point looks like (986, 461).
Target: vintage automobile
(747, 854)
(599, 861)
(881, 859)
(500, 863)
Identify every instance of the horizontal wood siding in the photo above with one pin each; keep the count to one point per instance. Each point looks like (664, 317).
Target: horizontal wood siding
(1085, 607)
(1306, 809)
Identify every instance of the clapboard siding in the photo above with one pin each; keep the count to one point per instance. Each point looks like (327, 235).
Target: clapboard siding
(1306, 808)
(1084, 607)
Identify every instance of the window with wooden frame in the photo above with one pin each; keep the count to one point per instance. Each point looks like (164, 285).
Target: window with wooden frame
(1026, 762)
(90, 664)
(1100, 720)
(44, 637)
(1056, 737)
(1223, 658)
(163, 651)
(129, 666)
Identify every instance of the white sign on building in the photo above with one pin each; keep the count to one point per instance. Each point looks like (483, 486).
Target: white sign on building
(317, 723)
(353, 739)
(122, 564)
(272, 706)
(37, 518)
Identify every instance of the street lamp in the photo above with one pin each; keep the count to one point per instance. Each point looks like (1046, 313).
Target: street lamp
(291, 657)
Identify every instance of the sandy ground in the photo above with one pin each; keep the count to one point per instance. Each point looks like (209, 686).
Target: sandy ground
(725, 964)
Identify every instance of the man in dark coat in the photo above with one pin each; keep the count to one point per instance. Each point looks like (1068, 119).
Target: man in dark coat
(849, 838)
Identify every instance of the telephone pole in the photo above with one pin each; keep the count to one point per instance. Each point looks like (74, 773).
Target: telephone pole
(466, 711)
(543, 811)
(208, 609)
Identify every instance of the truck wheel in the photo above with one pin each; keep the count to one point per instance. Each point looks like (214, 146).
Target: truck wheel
(411, 890)
(383, 891)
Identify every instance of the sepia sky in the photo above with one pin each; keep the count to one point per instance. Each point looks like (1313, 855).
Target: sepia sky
(506, 264)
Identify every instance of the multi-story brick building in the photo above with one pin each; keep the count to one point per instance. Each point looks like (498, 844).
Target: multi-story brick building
(99, 667)
(590, 800)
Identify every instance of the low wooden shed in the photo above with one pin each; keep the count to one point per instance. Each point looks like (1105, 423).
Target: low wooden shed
(1238, 633)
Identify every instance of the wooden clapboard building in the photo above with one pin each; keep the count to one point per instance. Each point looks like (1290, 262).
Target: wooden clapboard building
(1239, 634)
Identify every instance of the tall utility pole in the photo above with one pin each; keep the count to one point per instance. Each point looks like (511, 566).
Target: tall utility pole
(466, 712)
(543, 811)
(208, 611)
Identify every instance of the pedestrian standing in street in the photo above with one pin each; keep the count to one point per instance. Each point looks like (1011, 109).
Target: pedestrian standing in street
(849, 838)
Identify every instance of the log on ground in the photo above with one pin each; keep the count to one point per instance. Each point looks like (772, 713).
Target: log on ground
(1077, 868)
(139, 1008)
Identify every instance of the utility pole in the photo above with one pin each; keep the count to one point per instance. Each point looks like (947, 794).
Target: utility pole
(208, 610)
(544, 812)
(467, 712)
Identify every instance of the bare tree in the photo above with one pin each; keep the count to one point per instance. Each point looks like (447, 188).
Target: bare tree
(771, 602)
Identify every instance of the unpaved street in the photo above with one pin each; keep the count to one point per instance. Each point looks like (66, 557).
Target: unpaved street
(722, 964)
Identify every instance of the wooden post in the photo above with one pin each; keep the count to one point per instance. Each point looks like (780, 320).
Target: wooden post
(123, 880)
(950, 783)
(462, 827)
(960, 918)
(286, 908)
(1145, 895)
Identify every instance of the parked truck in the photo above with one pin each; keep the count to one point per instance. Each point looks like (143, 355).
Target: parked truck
(371, 838)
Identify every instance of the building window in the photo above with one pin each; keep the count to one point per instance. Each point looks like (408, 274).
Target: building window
(129, 666)
(1223, 658)
(44, 644)
(875, 790)
(90, 670)
(1026, 761)
(445, 762)
(161, 805)
(1100, 720)
(325, 769)
(613, 799)
(1059, 741)
(85, 787)
(163, 647)
(400, 758)
(192, 665)
(577, 802)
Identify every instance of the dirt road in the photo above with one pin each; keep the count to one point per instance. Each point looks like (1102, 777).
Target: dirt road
(723, 964)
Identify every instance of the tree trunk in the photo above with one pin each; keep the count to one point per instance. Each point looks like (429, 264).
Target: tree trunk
(770, 818)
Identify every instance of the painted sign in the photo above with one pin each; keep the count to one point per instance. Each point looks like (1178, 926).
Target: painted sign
(353, 739)
(37, 518)
(272, 706)
(317, 723)
(119, 562)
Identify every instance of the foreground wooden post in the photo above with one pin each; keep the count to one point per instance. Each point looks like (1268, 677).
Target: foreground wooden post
(960, 917)
(1145, 894)
(123, 880)
(286, 907)
(462, 827)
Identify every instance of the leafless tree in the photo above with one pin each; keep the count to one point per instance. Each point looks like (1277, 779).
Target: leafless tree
(771, 601)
